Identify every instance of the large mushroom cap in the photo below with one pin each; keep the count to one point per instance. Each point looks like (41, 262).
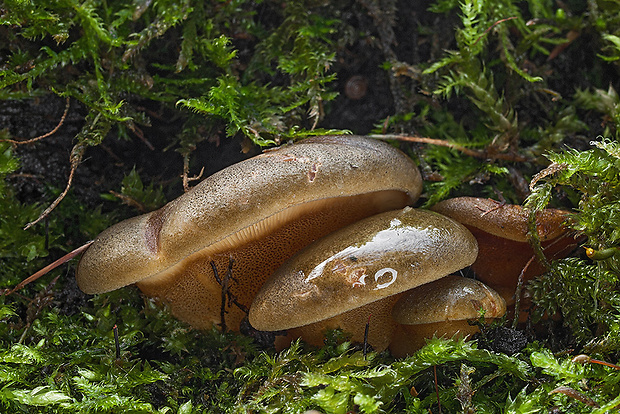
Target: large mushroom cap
(257, 212)
(364, 262)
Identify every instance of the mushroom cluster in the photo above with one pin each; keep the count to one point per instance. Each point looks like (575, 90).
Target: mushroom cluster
(255, 214)
(309, 236)
(361, 270)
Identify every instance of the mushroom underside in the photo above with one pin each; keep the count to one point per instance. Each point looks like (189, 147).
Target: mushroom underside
(501, 261)
(194, 295)
(378, 316)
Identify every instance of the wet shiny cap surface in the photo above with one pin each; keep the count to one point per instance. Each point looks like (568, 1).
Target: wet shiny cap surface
(374, 258)
(451, 298)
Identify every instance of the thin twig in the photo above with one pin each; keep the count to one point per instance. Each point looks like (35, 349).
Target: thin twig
(576, 395)
(492, 26)
(117, 344)
(366, 329)
(437, 389)
(40, 137)
(138, 132)
(187, 179)
(129, 201)
(224, 283)
(515, 321)
(499, 205)
(76, 157)
(185, 176)
(553, 168)
(49, 267)
(583, 359)
(227, 295)
(460, 148)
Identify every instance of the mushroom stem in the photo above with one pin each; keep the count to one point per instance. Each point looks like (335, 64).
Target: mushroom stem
(409, 338)
(353, 323)
(517, 308)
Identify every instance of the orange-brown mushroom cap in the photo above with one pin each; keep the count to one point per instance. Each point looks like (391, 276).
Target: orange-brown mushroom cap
(363, 263)
(507, 221)
(502, 234)
(289, 197)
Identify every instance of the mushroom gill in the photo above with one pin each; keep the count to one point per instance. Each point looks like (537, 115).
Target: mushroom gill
(343, 278)
(256, 213)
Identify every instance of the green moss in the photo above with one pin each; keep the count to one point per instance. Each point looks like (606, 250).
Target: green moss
(109, 43)
(585, 294)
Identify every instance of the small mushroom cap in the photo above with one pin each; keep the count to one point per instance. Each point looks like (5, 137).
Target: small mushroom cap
(366, 261)
(450, 298)
(507, 221)
(243, 202)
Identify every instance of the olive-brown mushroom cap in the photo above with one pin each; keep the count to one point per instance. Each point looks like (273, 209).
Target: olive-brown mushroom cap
(238, 197)
(362, 263)
(451, 298)
(441, 308)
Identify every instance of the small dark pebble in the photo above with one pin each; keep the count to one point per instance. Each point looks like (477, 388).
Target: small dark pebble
(356, 87)
(505, 340)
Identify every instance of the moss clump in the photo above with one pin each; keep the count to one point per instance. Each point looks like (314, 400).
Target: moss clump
(585, 290)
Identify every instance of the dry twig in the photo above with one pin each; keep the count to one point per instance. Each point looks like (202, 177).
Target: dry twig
(40, 137)
(467, 151)
(49, 267)
(76, 157)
